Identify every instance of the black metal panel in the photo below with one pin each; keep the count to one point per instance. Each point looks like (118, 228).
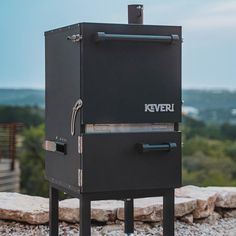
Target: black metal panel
(111, 162)
(120, 77)
(62, 91)
(116, 195)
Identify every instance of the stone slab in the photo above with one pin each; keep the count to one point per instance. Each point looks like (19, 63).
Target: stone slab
(25, 208)
(226, 196)
(205, 198)
(151, 209)
(102, 211)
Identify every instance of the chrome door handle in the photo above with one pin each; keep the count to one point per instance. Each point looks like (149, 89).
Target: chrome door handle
(75, 109)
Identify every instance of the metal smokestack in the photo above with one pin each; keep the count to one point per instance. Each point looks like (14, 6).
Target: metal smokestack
(135, 14)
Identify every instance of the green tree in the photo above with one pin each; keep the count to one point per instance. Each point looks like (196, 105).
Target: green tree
(32, 162)
(26, 115)
(228, 131)
(203, 170)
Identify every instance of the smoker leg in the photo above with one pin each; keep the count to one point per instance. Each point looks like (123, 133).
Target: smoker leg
(168, 213)
(129, 217)
(53, 211)
(85, 213)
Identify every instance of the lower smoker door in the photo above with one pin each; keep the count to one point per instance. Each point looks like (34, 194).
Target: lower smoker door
(131, 161)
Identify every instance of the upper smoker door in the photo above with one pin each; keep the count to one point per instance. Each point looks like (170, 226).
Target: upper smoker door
(130, 74)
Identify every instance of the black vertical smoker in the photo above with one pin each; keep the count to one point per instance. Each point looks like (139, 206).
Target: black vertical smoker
(113, 107)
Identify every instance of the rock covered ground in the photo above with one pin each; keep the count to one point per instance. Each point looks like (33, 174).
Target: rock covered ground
(199, 211)
(222, 227)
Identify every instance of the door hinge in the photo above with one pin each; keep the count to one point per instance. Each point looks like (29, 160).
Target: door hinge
(80, 177)
(80, 144)
(75, 38)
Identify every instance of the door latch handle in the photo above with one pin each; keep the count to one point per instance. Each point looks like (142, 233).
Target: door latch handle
(75, 109)
(143, 147)
(54, 146)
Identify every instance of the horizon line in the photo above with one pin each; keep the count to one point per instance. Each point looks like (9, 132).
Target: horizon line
(183, 88)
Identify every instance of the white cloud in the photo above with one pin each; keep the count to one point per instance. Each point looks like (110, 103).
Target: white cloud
(210, 22)
(213, 16)
(225, 7)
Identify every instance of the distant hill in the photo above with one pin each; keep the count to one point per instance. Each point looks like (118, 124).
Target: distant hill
(22, 97)
(211, 106)
(200, 99)
(209, 99)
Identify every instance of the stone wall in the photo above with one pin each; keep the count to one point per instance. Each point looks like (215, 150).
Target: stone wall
(192, 204)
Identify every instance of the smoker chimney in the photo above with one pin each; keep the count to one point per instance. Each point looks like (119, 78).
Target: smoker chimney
(135, 14)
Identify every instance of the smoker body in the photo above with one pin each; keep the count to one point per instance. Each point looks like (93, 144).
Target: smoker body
(113, 104)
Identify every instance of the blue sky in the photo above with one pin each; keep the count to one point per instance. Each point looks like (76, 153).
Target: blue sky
(209, 31)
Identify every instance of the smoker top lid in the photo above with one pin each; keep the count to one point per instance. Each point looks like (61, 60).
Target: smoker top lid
(74, 26)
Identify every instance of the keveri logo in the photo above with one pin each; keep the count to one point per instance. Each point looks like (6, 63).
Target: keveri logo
(160, 107)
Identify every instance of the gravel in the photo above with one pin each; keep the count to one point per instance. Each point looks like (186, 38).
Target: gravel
(223, 227)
